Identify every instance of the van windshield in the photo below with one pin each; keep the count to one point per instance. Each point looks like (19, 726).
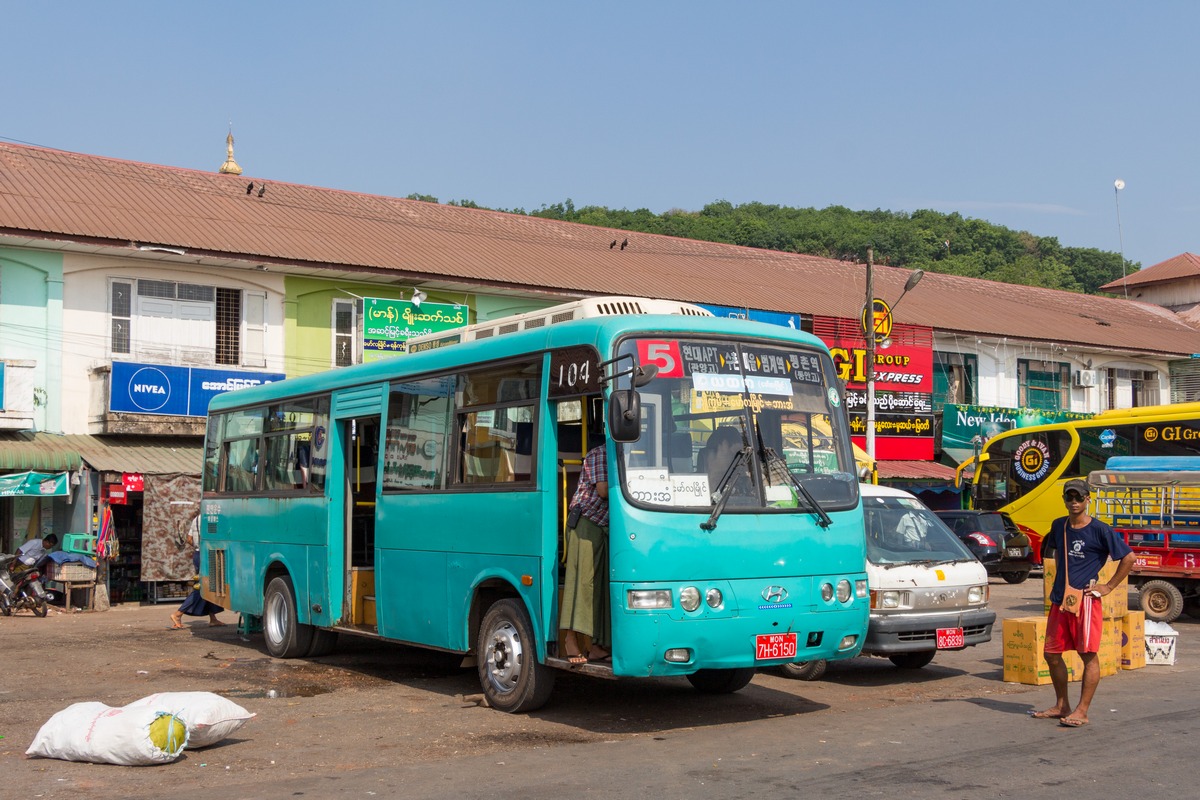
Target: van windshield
(901, 530)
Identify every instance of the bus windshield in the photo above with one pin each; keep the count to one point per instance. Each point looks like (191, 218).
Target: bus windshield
(712, 400)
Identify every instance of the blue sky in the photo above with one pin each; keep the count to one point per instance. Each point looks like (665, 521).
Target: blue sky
(1020, 113)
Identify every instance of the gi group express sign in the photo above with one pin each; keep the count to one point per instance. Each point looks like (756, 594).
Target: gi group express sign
(175, 391)
(388, 324)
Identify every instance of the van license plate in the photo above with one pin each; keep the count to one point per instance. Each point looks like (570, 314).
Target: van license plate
(950, 638)
(774, 645)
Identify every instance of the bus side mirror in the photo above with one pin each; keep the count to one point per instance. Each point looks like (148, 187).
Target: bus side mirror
(625, 416)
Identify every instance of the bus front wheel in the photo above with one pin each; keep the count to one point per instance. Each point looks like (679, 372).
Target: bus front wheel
(721, 681)
(286, 637)
(512, 678)
(1162, 601)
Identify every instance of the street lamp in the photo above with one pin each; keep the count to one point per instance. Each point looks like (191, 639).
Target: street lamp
(869, 314)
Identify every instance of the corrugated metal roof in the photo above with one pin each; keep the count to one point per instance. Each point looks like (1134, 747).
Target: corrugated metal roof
(1184, 265)
(153, 455)
(43, 452)
(914, 470)
(69, 197)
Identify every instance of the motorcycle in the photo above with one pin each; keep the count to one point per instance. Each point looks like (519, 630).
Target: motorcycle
(22, 589)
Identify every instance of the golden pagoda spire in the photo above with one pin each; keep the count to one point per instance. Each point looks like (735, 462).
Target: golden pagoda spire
(230, 167)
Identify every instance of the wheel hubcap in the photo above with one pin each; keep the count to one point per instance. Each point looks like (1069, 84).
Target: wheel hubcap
(504, 658)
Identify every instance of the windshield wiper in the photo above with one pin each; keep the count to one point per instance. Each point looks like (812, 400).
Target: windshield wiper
(768, 456)
(725, 486)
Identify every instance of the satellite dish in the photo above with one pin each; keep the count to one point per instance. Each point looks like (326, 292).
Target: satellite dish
(1119, 184)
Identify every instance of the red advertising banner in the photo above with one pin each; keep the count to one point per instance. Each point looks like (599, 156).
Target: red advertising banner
(132, 481)
(903, 386)
(114, 494)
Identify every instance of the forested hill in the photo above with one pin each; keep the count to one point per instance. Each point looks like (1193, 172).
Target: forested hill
(928, 240)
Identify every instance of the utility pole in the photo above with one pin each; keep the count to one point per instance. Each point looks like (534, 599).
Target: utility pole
(869, 333)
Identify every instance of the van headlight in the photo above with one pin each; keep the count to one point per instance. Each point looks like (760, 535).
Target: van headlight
(644, 599)
(977, 594)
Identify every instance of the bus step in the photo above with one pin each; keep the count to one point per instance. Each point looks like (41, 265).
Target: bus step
(595, 670)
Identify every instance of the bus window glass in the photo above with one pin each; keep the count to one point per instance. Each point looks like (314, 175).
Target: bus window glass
(212, 455)
(241, 465)
(1019, 464)
(248, 422)
(1179, 437)
(420, 414)
(712, 400)
(1097, 445)
(496, 440)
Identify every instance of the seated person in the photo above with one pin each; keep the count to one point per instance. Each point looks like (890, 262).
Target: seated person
(718, 453)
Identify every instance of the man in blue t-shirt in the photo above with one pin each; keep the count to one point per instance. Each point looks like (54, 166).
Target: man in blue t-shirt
(1082, 546)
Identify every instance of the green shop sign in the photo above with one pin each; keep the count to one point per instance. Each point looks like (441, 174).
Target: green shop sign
(33, 484)
(961, 424)
(388, 324)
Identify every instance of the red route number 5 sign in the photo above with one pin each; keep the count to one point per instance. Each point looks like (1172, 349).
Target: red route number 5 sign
(664, 355)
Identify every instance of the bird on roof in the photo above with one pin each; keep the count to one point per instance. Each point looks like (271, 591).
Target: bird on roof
(250, 187)
(262, 190)
(614, 244)
(624, 243)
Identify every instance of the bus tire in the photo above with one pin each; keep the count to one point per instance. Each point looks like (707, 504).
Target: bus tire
(285, 636)
(912, 660)
(1161, 600)
(323, 643)
(721, 681)
(512, 678)
(804, 670)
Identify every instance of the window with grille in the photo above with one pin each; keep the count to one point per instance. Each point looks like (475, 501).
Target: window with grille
(121, 313)
(954, 378)
(229, 326)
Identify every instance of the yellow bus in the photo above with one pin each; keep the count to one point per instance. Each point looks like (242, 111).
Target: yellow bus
(1022, 471)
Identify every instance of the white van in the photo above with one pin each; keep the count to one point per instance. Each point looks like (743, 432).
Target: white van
(928, 592)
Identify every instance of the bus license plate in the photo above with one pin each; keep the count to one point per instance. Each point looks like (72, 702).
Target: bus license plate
(950, 638)
(1014, 552)
(774, 645)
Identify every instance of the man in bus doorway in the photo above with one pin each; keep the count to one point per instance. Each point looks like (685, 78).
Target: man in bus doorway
(585, 586)
(1082, 546)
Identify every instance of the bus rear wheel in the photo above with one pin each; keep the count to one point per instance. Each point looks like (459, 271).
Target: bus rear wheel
(285, 636)
(1161, 600)
(512, 678)
(721, 681)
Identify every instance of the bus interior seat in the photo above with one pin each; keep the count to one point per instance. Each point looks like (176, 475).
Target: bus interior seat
(681, 452)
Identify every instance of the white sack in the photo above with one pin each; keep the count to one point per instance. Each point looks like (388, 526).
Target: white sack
(209, 717)
(103, 735)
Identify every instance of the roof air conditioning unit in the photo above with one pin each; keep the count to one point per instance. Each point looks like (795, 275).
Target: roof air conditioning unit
(1086, 378)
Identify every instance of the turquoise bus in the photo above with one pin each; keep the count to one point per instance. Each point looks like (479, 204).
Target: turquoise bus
(421, 499)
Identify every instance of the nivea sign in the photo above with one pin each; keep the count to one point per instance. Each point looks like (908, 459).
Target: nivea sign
(175, 391)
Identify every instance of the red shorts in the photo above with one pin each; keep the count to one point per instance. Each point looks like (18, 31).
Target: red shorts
(1081, 632)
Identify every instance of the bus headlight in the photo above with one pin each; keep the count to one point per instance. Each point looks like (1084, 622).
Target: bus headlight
(714, 598)
(826, 592)
(642, 599)
(843, 591)
(860, 588)
(689, 598)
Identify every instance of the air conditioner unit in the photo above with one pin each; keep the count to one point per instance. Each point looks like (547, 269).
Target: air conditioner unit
(1086, 378)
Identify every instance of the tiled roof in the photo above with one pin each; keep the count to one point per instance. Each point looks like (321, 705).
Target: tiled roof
(108, 203)
(1184, 265)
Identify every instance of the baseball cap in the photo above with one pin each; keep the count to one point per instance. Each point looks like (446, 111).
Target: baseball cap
(1077, 485)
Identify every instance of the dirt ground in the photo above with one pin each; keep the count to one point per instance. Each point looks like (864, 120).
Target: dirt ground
(374, 704)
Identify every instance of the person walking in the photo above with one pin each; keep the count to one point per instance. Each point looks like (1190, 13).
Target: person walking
(1082, 545)
(195, 605)
(585, 585)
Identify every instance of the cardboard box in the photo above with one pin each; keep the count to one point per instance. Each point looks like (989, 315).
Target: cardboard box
(1024, 640)
(1109, 654)
(1116, 602)
(1133, 640)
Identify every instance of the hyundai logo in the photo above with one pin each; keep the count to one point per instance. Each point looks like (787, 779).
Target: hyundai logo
(774, 594)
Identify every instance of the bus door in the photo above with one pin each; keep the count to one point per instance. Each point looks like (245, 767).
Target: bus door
(352, 494)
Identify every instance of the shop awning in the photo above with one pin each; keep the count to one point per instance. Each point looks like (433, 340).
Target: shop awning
(42, 452)
(34, 484)
(915, 470)
(149, 455)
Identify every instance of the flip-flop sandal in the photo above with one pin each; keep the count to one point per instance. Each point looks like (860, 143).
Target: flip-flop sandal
(1071, 722)
(1045, 715)
(177, 627)
(577, 661)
